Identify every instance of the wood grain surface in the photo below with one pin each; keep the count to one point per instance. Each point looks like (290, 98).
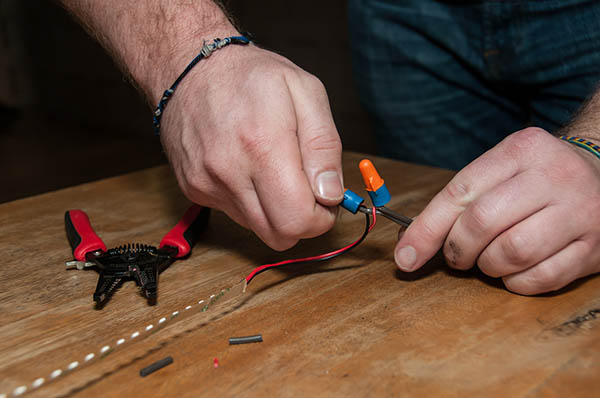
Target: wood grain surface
(352, 326)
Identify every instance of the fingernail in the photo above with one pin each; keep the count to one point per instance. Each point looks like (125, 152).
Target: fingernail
(406, 258)
(329, 186)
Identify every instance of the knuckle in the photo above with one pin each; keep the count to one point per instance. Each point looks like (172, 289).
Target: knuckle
(267, 232)
(301, 224)
(255, 143)
(529, 136)
(190, 192)
(324, 140)
(292, 227)
(192, 181)
(207, 181)
(478, 217)
(427, 232)
(194, 190)
(323, 227)
(517, 248)
(525, 141)
(315, 83)
(458, 192)
(544, 279)
(280, 244)
(214, 166)
(519, 286)
(489, 265)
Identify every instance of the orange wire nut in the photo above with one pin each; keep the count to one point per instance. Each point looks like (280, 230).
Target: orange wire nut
(374, 184)
(373, 180)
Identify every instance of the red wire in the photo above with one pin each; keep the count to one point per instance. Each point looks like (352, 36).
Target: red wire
(313, 258)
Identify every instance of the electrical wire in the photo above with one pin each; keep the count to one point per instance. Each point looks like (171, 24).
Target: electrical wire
(387, 213)
(321, 257)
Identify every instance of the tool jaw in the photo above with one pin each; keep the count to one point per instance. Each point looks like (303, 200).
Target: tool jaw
(133, 261)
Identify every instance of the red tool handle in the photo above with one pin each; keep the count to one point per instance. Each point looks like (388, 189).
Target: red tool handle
(187, 231)
(81, 235)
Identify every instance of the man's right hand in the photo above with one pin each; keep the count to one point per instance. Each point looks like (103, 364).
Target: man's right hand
(250, 133)
(247, 131)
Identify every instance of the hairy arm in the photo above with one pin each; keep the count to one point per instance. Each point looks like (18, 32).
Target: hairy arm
(586, 123)
(151, 40)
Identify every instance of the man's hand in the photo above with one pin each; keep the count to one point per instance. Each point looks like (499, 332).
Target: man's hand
(528, 211)
(252, 134)
(246, 131)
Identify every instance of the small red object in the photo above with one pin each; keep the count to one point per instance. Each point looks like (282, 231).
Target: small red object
(216, 362)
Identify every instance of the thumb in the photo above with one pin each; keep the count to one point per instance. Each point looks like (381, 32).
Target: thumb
(319, 141)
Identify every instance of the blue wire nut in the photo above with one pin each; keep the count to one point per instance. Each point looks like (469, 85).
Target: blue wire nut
(351, 201)
(381, 197)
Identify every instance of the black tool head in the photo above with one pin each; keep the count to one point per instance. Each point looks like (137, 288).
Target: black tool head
(132, 261)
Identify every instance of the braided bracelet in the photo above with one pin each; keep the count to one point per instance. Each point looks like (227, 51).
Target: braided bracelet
(206, 51)
(583, 143)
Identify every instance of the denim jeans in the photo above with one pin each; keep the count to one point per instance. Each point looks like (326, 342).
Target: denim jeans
(444, 81)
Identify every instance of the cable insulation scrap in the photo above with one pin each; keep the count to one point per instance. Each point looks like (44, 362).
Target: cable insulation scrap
(156, 366)
(321, 257)
(246, 339)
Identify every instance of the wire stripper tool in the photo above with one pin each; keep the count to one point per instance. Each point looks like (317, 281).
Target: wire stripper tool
(139, 262)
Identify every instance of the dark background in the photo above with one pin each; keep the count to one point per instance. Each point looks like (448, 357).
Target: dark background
(68, 116)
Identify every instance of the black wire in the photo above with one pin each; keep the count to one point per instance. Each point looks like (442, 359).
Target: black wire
(387, 213)
(350, 247)
(358, 242)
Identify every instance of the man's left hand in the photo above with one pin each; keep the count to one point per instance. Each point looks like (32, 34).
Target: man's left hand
(528, 210)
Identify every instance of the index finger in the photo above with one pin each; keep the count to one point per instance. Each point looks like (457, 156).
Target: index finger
(279, 180)
(426, 235)
(319, 141)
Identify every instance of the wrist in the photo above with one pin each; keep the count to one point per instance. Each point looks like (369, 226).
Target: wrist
(587, 147)
(207, 50)
(217, 75)
(159, 72)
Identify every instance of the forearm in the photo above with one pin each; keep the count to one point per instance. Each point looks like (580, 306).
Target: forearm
(152, 40)
(586, 123)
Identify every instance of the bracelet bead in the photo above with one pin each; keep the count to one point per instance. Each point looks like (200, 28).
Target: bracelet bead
(205, 52)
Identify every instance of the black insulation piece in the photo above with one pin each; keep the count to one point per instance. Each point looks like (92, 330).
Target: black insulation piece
(245, 340)
(161, 363)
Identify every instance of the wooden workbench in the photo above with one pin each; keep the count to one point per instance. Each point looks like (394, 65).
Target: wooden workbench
(352, 326)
